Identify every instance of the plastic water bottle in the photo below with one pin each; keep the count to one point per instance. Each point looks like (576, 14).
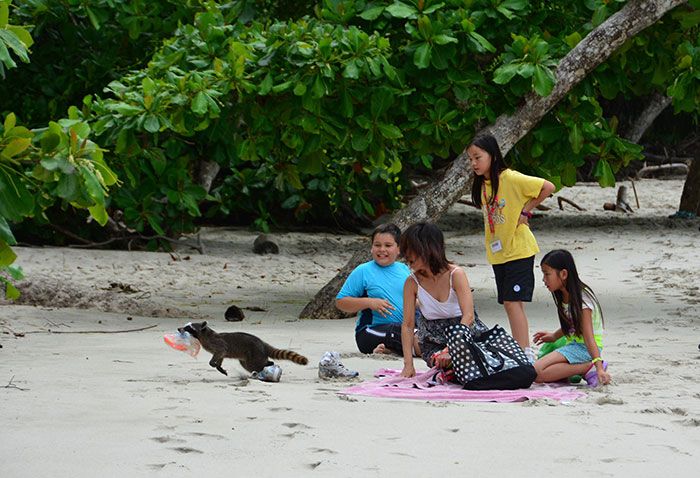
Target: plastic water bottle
(271, 373)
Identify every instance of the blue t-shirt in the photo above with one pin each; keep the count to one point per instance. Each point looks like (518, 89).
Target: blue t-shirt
(377, 282)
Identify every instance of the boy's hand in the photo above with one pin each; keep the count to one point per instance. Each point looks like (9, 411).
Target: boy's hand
(382, 306)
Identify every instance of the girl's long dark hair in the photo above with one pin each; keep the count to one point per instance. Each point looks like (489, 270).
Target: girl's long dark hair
(561, 259)
(425, 240)
(489, 144)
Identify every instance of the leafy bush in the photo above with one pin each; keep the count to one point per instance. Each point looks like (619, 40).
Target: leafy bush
(322, 111)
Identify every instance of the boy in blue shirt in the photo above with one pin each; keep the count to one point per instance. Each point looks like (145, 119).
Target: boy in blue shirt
(375, 289)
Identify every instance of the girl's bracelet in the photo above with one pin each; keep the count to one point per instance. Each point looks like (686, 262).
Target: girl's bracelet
(597, 359)
(527, 214)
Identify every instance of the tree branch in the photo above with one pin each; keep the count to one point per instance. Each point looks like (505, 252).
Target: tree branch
(434, 200)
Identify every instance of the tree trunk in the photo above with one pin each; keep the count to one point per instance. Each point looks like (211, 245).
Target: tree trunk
(657, 103)
(690, 199)
(206, 172)
(436, 198)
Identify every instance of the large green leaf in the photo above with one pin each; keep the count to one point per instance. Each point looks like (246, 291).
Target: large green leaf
(99, 213)
(576, 138)
(10, 121)
(603, 171)
(543, 80)
(16, 202)
(401, 10)
(11, 291)
(421, 57)
(372, 12)
(389, 131)
(483, 43)
(505, 73)
(7, 255)
(16, 146)
(68, 187)
(4, 13)
(12, 41)
(6, 233)
(382, 100)
(199, 103)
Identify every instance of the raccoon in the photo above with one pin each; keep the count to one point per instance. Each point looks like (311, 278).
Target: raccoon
(251, 351)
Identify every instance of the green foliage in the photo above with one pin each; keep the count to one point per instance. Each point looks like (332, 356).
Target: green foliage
(13, 39)
(321, 111)
(40, 167)
(80, 46)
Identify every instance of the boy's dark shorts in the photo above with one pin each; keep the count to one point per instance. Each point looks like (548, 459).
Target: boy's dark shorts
(368, 338)
(515, 280)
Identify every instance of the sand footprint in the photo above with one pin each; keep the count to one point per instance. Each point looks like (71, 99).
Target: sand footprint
(160, 466)
(689, 422)
(186, 449)
(665, 410)
(608, 400)
(323, 450)
(207, 435)
(167, 439)
(297, 425)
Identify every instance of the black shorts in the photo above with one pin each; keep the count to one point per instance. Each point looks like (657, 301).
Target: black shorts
(515, 280)
(388, 334)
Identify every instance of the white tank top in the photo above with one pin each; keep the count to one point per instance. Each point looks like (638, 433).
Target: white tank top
(433, 309)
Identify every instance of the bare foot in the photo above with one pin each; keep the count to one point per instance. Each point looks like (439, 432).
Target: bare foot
(380, 349)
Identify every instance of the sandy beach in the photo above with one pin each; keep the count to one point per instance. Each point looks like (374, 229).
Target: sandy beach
(80, 402)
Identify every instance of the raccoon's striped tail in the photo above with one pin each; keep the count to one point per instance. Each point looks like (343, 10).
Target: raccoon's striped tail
(288, 355)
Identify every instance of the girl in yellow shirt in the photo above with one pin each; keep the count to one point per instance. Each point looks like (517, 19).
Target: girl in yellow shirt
(507, 199)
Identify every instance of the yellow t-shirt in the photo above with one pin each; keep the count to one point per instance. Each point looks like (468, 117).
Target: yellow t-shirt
(517, 241)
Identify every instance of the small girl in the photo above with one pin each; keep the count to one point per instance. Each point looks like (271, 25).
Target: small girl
(581, 322)
(507, 198)
(442, 292)
(375, 289)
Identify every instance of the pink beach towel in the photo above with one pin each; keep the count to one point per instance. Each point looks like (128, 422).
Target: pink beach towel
(392, 385)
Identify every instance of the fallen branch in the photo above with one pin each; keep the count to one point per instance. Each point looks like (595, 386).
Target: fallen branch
(12, 385)
(621, 204)
(89, 331)
(666, 169)
(561, 200)
(634, 188)
(132, 237)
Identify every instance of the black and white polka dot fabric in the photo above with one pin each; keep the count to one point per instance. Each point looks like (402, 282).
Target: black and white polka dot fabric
(475, 357)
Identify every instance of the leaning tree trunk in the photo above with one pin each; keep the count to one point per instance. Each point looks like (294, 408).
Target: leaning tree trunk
(657, 103)
(435, 199)
(690, 199)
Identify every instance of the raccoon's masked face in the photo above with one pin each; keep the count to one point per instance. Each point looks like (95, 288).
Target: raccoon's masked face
(194, 329)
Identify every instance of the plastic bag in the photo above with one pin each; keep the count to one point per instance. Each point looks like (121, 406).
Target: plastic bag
(184, 342)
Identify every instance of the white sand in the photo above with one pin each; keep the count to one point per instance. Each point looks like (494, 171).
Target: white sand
(85, 405)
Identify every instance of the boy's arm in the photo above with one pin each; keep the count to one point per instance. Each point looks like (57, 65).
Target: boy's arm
(355, 304)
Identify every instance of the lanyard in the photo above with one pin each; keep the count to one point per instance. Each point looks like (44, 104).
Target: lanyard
(490, 210)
